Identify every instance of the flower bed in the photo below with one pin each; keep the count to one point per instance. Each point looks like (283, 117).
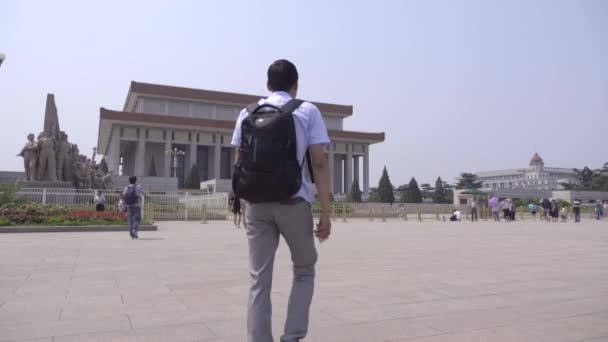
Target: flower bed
(89, 217)
(29, 214)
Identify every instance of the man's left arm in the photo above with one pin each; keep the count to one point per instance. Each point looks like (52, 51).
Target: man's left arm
(320, 168)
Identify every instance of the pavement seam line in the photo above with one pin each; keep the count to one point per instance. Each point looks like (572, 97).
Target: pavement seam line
(131, 324)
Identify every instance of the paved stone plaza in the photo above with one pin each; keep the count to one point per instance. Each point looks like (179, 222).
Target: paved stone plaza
(393, 281)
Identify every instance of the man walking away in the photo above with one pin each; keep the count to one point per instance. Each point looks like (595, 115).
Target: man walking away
(132, 197)
(513, 211)
(279, 138)
(473, 210)
(576, 208)
(599, 210)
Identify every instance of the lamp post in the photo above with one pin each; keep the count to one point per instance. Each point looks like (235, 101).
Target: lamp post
(2, 58)
(175, 153)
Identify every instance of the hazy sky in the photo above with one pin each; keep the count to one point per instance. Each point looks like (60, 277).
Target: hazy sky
(456, 85)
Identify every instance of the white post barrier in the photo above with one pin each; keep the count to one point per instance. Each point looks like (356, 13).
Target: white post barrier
(187, 204)
(143, 207)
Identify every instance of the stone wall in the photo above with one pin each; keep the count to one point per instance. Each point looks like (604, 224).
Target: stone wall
(148, 183)
(9, 176)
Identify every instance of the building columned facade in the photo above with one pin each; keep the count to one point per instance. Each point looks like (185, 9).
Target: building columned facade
(536, 176)
(158, 120)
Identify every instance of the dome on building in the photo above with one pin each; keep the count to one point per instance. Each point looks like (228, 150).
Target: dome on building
(536, 158)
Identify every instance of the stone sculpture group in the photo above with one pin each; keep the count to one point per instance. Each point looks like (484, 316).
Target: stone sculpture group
(52, 158)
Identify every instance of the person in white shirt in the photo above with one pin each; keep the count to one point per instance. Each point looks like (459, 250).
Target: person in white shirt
(100, 201)
(292, 219)
(455, 216)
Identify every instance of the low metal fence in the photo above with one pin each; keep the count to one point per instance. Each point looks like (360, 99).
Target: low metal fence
(157, 205)
(203, 206)
(381, 211)
(188, 206)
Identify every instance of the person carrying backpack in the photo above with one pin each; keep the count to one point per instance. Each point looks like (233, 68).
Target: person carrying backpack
(132, 196)
(280, 154)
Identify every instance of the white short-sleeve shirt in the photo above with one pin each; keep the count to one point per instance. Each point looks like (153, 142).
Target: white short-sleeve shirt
(310, 130)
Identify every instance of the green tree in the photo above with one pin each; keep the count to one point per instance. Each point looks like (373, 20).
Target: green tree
(589, 180)
(355, 192)
(8, 191)
(440, 195)
(584, 178)
(152, 172)
(401, 190)
(386, 189)
(426, 190)
(600, 178)
(374, 197)
(192, 180)
(468, 181)
(413, 193)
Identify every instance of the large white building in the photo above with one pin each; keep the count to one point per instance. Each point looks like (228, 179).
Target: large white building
(536, 176)
(157, 119)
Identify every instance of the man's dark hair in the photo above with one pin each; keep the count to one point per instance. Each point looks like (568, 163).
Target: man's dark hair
(282, 75)
(132, 179)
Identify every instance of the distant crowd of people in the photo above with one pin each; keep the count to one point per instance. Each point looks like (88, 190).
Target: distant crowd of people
(550, 209)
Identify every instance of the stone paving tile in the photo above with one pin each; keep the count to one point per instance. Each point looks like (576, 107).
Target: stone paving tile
(393, 281)
(570, 329)
(31, 330)
(563, 309)
(488, 335)
(472, 320)
(174, 333)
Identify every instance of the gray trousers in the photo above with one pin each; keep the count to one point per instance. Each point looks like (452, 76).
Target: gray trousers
(265, 222)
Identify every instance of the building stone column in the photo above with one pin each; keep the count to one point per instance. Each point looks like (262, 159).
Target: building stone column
(141, 157)
(330, 161)
(217, 157)
(366, 171)
(338, 174)
(114, 152)
(356, 176)
(348, 169)
(193, 152)
(168, 157)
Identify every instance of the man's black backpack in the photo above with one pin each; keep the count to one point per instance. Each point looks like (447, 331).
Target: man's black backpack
(268, 169)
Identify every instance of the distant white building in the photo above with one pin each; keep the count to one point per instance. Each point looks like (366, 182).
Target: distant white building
(537, 176)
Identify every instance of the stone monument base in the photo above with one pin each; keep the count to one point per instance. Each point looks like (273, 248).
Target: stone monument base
(45, 184)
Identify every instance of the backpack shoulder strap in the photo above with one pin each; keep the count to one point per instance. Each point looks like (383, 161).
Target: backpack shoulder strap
(252, 107)
(291, 106)
(309, 162)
